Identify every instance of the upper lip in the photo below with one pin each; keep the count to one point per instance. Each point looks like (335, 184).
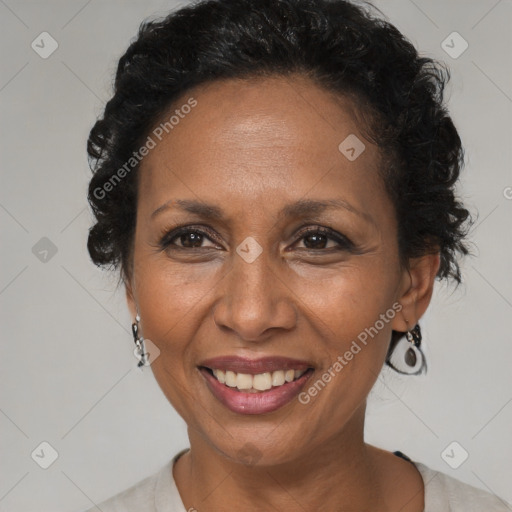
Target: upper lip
(255, 366)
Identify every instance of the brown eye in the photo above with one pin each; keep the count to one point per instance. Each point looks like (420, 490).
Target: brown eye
(318, 238)
(190, 239)
(185, 238)
(315, 241)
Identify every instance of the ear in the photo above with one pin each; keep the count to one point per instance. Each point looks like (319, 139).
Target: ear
(132, 306)
(416, 290)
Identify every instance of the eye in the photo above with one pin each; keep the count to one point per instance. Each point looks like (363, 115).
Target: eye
(317, 239)
(187, 237)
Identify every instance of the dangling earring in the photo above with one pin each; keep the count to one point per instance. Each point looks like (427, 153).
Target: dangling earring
(407, 357)
(414, 350)
(140, 351)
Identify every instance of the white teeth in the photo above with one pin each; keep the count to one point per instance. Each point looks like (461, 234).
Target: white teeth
(278, 378)
(221, 376)
(259, 382)
(243, 381)
(230, 379)
(262, 381)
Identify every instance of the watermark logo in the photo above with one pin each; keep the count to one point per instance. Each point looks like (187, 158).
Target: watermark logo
(454, 45)
(454, 455)
(44, 45)
(44, 250)
(352, 147)
(249, 249)
(151, 352)
(44, 455)
(249, 454)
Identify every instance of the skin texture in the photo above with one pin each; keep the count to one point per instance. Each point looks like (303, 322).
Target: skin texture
(252, 147)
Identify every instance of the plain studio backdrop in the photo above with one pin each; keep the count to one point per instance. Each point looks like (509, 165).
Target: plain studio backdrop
(72, 398)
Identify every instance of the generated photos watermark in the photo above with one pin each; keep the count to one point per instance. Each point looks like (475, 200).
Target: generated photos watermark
(355, 347)
(152, 140)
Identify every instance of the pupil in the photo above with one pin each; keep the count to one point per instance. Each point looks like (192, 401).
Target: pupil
(319, 238)
(190, 236)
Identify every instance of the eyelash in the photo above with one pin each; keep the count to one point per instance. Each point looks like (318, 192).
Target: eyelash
(166, 241)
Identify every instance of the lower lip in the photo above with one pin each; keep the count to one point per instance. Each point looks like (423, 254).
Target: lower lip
(254, 403)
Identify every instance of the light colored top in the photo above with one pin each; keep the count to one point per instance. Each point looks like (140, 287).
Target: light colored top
(158, 493)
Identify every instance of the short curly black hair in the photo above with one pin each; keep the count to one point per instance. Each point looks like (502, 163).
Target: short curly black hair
(343, 47)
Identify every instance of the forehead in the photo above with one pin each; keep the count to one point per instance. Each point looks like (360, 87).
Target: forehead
(258, 140)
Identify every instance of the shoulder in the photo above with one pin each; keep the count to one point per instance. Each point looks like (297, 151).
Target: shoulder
(444, 493)
(156, 493)
(140, 496)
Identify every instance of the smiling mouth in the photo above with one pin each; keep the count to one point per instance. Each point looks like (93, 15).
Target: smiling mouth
(258, 383)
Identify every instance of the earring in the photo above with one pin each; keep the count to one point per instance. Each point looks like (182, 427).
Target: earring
(407, 357)
(140, 351)
(414, 338)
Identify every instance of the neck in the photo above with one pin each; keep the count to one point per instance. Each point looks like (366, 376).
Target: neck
(339, 474)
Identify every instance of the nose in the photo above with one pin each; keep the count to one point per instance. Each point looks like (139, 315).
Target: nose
(254, 300)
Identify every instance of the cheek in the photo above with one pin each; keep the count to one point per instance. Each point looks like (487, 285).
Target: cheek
(350, 298)
(169, 304)
(170, 297)
(353, 314)
(355, 331)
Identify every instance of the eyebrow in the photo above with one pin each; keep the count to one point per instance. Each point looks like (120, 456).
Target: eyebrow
(300, 208)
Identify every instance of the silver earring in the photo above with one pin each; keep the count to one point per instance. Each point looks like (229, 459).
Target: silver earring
(140, 351)
(407, 357)
(413, 353)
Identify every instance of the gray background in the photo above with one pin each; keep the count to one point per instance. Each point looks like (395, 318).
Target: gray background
(67, 366)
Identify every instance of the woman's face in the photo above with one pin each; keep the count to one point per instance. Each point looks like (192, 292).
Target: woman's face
(247, 282)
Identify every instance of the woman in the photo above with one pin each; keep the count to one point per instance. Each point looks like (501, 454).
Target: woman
(274, 179)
